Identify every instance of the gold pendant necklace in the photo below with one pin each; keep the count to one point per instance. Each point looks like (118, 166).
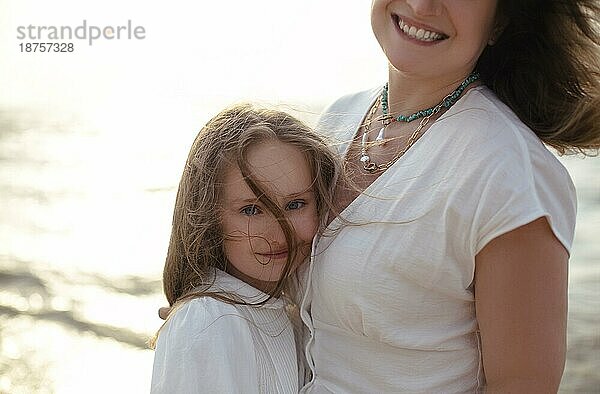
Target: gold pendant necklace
(372, 167)
(448, 101)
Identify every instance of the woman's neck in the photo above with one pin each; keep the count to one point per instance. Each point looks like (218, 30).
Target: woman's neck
(409, 93)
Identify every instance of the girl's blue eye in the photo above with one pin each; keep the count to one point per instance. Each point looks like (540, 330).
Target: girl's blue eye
(296, 204)
(250, 210)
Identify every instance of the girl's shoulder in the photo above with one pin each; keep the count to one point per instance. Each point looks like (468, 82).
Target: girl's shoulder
(207, 311)
(197, 345)
(200, 314)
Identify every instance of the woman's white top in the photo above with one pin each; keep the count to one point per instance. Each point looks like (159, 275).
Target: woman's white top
(209, 346)
(389, 303)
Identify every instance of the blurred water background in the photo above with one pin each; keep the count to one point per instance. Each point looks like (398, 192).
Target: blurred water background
(91, 148)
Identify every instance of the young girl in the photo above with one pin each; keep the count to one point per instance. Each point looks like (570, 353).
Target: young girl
(255, 186)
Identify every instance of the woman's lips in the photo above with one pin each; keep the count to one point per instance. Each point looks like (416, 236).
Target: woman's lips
(417, 32)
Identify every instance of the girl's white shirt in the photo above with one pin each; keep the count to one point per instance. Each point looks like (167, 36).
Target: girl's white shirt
(209, 346)
(389, 303)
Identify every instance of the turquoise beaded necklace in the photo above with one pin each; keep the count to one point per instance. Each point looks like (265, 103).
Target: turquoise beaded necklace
(447, 102)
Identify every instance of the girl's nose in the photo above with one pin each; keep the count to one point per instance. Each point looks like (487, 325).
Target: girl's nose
(274, 235)
(426, 7)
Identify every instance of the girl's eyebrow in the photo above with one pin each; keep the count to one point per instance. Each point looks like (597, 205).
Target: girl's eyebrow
(245, 200)
(254, 199)
(298, 194)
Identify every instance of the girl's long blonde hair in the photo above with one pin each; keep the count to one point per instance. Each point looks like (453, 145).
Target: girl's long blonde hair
(196, 244)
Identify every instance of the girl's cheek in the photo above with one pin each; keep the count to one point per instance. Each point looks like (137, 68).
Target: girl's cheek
(306, 226)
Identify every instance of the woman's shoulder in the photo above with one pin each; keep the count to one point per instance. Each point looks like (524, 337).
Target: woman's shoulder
(355, 100)
(481, 114)
(491, 130)
(346, 112)
(515, 175)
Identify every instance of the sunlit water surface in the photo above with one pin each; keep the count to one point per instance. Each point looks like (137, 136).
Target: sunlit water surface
(85, 213)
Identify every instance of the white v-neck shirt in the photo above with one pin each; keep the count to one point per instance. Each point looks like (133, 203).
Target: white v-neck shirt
(389, 303)
(209, 346)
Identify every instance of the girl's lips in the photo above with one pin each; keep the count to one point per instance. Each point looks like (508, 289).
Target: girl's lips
(276, 255)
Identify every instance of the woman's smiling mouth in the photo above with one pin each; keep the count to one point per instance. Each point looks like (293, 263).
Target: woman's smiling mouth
(416, 32)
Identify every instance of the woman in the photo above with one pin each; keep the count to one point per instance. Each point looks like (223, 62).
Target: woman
(446, 270)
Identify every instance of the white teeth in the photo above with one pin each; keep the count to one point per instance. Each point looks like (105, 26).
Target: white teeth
(419, 34)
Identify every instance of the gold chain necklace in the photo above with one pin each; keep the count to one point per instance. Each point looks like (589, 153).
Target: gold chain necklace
(447, 102)
(372, 167)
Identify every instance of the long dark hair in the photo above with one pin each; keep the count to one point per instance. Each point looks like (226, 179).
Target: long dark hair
(545, 65)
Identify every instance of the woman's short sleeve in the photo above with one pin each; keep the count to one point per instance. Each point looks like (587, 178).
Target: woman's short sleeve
(519, 187)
